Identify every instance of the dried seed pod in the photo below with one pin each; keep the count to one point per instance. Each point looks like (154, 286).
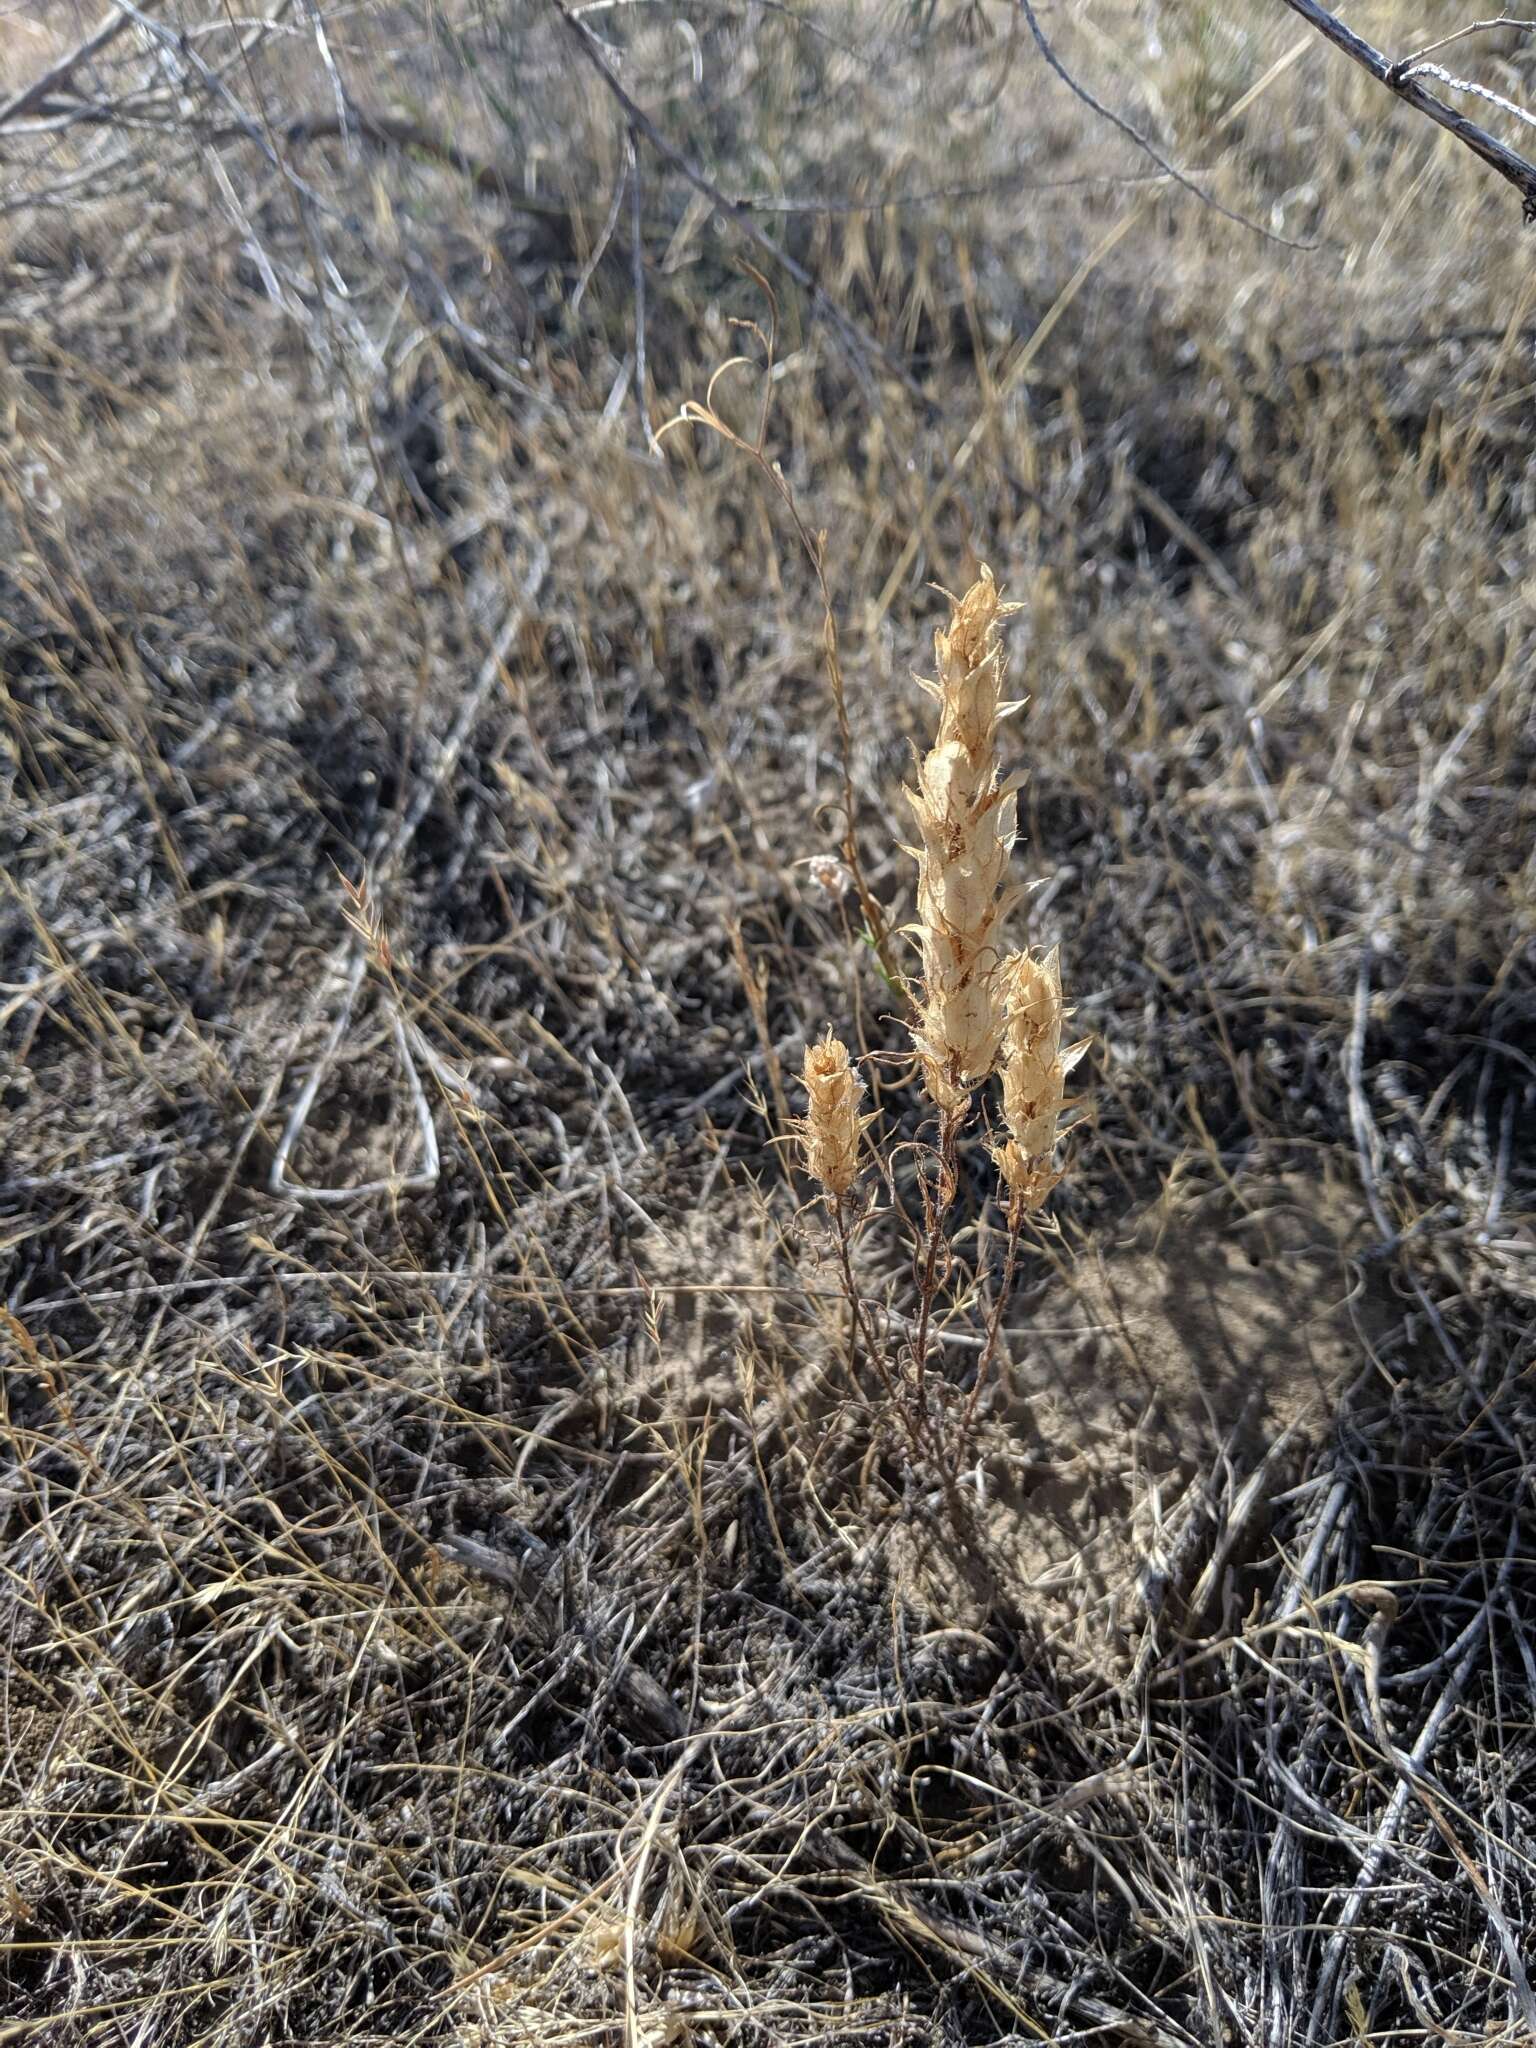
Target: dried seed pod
(829, 1131)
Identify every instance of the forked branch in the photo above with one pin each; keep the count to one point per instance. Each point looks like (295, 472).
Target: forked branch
(1403, 79)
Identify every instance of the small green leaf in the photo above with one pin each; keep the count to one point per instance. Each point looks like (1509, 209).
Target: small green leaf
(868, 938)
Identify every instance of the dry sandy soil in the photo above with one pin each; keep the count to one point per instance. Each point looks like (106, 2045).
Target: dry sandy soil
(454, 1586)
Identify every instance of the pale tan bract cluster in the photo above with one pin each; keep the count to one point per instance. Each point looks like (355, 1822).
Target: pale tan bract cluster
(966, 817)
(830, 1130)
(1035, 1070)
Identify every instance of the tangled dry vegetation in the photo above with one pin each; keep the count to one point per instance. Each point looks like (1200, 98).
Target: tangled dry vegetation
(460, 1581)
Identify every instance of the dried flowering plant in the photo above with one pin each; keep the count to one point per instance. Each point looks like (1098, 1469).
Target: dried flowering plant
(977, 1008)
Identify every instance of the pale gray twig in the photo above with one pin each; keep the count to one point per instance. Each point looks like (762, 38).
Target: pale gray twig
(1362, 1123)
(1473, 28)
(425, 1177)
(107, 30)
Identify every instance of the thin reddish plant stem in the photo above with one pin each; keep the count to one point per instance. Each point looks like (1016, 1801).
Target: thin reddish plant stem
(938, 1209)
(859, 1323)
(994, 1321)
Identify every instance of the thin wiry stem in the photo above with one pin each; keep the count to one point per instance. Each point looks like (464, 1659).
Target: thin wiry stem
(692, 413)
(859, 1325)
(1133, 134)
(637, 274)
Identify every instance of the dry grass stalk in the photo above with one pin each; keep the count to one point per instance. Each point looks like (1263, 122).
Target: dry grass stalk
(966, 816)
(830, 1130)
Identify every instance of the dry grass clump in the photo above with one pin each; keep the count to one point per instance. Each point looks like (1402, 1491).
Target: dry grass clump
(493, 1612)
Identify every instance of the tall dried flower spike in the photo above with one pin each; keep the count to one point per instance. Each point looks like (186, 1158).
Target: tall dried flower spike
(1035, 1070)
(829, 1131)
(966, 819)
